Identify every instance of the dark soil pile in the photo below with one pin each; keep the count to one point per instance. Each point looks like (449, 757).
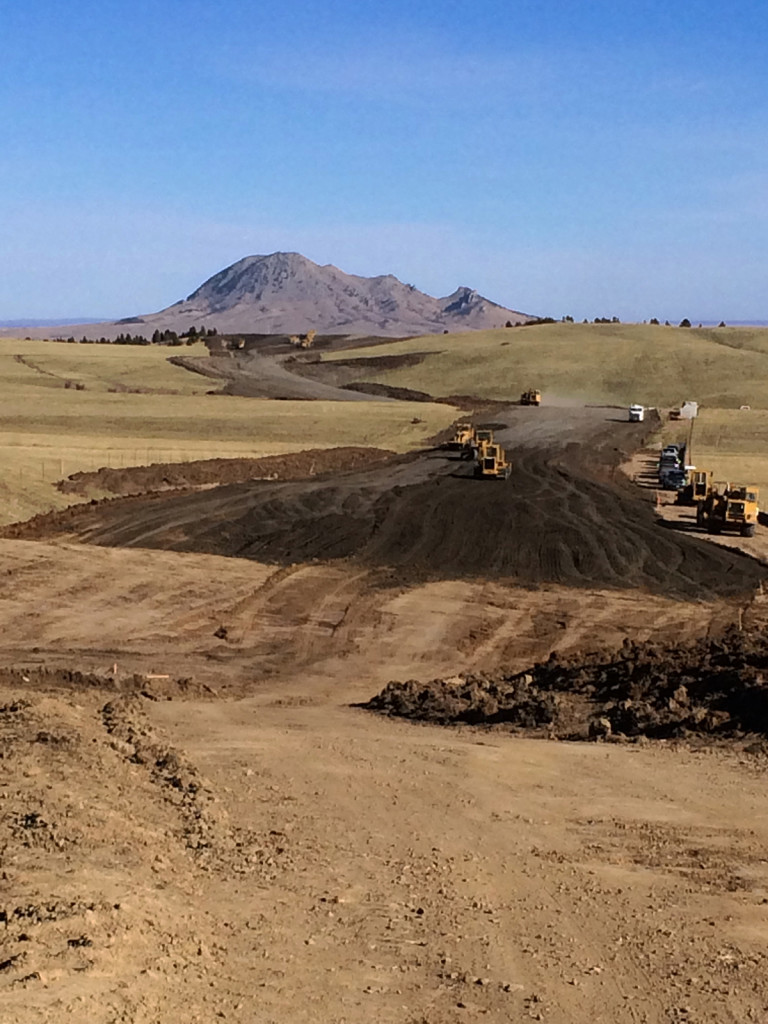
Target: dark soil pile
(205, 472)
(547, 524)
(565, 516)
(710, 688)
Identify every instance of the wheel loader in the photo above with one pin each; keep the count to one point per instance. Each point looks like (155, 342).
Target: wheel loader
(492, 462)
(733, 509)
(531, 397)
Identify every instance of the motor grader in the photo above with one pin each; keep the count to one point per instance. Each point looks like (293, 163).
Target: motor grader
(531, 397)
(735, 508)
(492, 462)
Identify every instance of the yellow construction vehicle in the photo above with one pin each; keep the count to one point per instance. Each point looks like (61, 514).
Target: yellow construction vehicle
(531, 397)
(463, 438)
(735, 508)
(698, 484)
(492, 462)
(303, 340)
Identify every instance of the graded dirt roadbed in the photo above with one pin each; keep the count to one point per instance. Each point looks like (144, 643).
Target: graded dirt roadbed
(566, 517)
(256, 376)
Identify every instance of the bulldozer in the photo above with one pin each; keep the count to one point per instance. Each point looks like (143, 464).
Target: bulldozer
(492, 462)
(735, 508)
(531, 397)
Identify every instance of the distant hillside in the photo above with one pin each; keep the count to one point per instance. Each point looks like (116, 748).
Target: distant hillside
(720, 367)
(285, 293)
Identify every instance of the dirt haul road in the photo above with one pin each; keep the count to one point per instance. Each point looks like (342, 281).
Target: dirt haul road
(286, 857)
(561, 519)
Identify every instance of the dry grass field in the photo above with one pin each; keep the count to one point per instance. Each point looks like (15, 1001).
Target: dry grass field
(30, 364)
(49, 430)
(612, 363)
(734, 445)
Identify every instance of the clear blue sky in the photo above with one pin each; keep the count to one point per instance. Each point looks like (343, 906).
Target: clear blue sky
(599, 158)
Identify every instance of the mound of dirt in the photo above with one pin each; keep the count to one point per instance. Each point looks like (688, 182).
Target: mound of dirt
(544, 526)
(207, 472)
(709, 688)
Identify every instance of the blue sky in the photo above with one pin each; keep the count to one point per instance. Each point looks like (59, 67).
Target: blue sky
(562, 158)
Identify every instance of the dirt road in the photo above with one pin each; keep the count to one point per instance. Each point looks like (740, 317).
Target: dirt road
(565, 517)
(313, 863)
(446, 876)
(256, 375)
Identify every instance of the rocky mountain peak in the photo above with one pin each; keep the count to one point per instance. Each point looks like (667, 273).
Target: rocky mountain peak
(284, 292)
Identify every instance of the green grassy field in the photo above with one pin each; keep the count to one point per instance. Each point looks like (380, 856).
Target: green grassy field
(612, 363)
(48, 431)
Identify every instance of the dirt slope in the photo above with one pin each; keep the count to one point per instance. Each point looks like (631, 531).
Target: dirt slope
(339, 629)
(109, 837)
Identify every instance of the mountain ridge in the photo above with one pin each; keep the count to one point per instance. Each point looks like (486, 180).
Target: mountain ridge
(286, 293)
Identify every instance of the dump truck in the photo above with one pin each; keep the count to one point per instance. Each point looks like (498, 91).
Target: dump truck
(733, 508)
(531, 397)
(492, 462)
(636, 413)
